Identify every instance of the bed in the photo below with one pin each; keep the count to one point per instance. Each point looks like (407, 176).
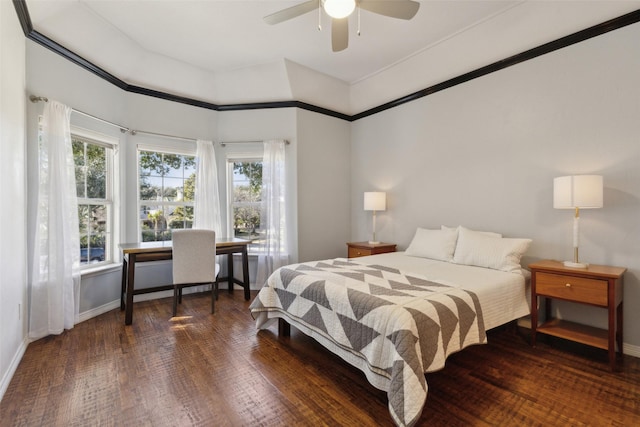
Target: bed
(397, 316)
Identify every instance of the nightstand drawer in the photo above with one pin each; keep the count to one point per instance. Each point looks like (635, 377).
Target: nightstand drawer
(356, 249)
(578, 289)
(356, 252)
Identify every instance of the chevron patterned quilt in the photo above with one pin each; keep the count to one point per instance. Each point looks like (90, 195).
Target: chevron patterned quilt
(392, 326)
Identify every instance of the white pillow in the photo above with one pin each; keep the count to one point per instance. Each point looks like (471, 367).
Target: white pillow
(474, 248)
(488, 233)
(434, 244)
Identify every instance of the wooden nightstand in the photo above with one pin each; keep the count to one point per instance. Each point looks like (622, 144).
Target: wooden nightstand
(597, 285)
(356, 249)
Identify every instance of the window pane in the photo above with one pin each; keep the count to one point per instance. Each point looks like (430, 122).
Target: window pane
(98, 218)
(165, 177)
(173, 189)
(96, 171)
(150, 188)
(153, 223)
(173, 165)
(150, 163)
(246, 220)
(83, 220)
(94, 233)
(181, 217)
(189, 189)
(79, 160)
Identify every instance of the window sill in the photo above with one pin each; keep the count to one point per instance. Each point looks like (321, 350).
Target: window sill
(103, 269)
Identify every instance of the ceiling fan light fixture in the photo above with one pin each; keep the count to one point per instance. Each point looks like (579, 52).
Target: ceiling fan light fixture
(339, 9)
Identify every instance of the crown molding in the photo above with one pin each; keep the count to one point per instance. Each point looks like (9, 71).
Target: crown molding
(577, 37)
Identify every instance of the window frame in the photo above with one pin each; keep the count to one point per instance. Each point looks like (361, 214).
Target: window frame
(111, 144)
(254, 157)
(182, 151)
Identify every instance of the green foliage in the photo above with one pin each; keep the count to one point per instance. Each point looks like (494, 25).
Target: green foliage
(246, 211)
(163, 218)
(91, 169)
(253, 171)
(163, 163)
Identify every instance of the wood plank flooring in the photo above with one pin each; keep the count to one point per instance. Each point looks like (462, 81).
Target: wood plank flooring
(217, 370)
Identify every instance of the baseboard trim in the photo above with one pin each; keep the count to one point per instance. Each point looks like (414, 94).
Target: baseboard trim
(17, 357)
(89, 314)
(94, 312)
(631, 350)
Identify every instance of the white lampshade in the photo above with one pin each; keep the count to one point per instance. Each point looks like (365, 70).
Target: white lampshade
(375, 201)
(578, 191)
(339, 8)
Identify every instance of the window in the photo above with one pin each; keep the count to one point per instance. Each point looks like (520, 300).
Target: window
(94, 165)
(166, 193)
(245, 188)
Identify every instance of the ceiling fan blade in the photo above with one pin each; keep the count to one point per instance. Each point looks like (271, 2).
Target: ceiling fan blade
(339, 34)
(291, 12)
(401, 9)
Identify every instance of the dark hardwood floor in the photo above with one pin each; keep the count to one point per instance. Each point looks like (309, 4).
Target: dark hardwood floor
(217, 370)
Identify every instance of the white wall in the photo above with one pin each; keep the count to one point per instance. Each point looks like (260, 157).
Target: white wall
(13, 280)
(484, 154)
(324, 157)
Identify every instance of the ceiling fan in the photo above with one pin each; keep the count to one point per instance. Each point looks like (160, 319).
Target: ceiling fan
(339, 11)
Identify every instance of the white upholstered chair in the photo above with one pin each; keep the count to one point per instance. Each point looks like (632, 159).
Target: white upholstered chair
(194, 262)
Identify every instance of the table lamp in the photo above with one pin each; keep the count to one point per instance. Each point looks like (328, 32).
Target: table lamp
(577, 192)
(375, 201)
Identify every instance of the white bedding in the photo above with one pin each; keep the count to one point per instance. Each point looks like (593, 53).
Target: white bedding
(503, 296)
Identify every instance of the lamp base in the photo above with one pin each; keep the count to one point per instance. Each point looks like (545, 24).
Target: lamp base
(576, 264)
(373, 243)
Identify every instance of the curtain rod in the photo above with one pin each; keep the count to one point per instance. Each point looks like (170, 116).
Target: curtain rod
(183, 138)
(123, 129)
(224, 143)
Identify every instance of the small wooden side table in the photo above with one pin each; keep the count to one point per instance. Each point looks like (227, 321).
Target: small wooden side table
(358, 249)
(597, 285)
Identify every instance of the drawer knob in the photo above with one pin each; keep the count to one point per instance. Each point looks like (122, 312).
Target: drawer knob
(568, 285)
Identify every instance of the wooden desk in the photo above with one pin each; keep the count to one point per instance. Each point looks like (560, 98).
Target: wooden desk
(133, 253)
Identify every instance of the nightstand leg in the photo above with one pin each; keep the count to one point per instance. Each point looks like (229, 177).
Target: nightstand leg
(619, 324)
(534, 310)
(614, 315)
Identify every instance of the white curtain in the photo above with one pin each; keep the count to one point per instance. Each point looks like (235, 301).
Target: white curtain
(55, 273)
(206, 210)
(273, 249)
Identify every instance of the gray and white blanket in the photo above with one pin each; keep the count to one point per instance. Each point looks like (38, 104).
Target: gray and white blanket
(393, 326)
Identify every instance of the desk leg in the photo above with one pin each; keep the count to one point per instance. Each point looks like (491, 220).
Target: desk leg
(230, 271)
(245, 272)
(128, 316)
(124, 282)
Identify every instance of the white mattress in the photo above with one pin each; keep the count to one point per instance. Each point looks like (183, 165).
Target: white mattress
(502, 295)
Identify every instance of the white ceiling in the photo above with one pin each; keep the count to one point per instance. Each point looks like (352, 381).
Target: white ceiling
(215, 36)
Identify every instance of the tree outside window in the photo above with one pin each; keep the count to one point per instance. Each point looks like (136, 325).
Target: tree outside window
(246, 188)
(166, 193)
(92, 170)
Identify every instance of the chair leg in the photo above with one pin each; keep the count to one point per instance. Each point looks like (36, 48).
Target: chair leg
(214, 294)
